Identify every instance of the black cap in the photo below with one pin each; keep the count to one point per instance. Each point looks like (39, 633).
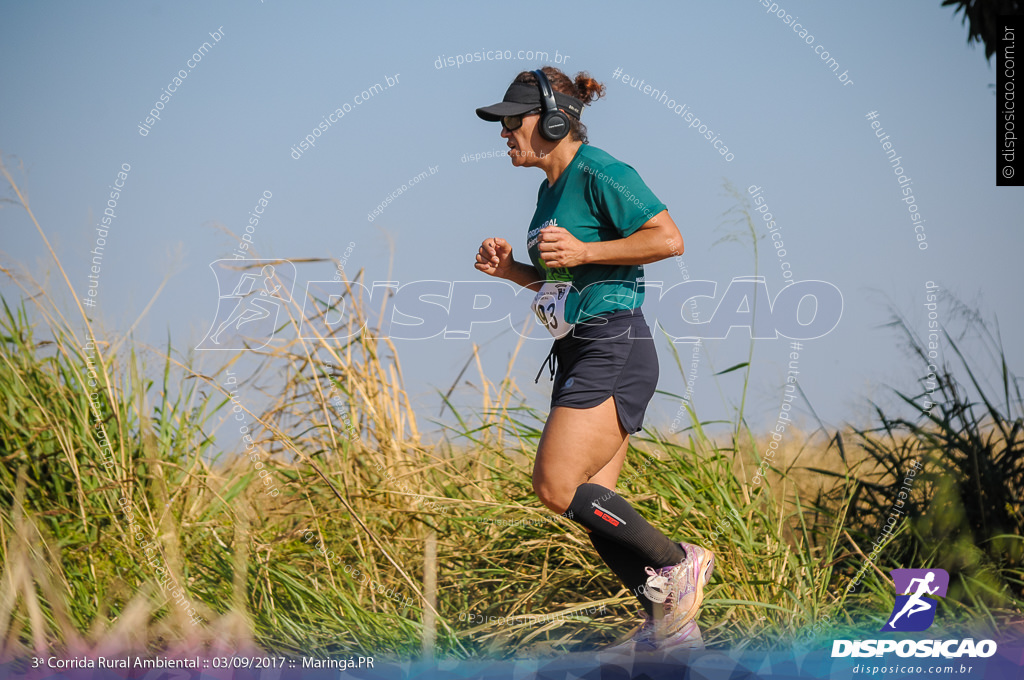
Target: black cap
(522, 97)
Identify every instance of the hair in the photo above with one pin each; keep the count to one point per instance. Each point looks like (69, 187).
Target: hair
(583, 87)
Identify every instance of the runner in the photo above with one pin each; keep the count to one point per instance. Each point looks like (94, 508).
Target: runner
(595, 226)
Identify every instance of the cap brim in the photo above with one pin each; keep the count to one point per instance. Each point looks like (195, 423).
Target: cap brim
(495, 112)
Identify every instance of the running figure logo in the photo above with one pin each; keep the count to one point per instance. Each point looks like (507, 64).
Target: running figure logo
(914, 609)
(247, 317)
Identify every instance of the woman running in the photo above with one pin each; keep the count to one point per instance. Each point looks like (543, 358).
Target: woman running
(595, 227)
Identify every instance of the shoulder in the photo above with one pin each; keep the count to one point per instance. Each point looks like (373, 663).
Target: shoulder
(590, 159)
(594, 161)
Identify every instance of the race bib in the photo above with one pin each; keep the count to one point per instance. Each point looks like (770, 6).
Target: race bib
(549, 306)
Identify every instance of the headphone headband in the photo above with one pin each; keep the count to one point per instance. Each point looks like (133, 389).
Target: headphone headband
(547, 96)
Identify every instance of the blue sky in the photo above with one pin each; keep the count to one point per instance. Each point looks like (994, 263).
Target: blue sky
(77, 80)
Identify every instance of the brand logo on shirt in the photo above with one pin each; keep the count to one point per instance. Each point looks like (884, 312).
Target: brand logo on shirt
(533, 234)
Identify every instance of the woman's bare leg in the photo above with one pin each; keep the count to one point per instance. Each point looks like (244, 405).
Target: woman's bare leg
(576, 445)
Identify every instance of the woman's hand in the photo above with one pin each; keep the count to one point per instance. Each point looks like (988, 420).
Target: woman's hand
(495, 257)
(559, 248)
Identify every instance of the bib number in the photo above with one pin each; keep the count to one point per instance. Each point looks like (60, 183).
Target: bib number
(549, 306)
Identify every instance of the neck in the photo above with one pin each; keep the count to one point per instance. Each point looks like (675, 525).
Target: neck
(558, 160)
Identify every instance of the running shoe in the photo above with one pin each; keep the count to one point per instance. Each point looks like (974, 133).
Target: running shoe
(686, 587)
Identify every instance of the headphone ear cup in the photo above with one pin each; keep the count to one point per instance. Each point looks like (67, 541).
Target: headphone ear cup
(554, 125)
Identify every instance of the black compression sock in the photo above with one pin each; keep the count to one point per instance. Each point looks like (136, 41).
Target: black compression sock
(627, 566)
(607, 513)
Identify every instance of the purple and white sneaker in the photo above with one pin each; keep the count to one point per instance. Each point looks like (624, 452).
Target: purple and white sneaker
(688, 581)
(679, 589)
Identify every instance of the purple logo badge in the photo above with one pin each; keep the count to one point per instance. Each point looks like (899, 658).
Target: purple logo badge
(915, 604)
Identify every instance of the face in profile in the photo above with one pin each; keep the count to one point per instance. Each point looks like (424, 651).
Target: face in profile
(526, 146)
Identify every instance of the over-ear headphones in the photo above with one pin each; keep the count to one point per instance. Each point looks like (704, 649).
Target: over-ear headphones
(554, 125)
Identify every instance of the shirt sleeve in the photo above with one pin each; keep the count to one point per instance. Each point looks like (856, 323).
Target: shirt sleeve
(622, 199)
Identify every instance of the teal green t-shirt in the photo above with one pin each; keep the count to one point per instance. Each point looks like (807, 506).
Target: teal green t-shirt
(596, 198)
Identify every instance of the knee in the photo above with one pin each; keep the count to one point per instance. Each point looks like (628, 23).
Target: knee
(553, 496)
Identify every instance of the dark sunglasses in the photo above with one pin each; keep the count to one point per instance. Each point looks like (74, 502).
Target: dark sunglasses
(511, 123)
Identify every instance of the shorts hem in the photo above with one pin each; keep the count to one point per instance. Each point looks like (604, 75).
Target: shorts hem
(619, 409)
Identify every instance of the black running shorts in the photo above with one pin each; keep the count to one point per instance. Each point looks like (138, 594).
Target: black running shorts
(616, 358)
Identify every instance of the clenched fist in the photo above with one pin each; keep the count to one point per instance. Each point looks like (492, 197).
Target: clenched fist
(495, 257)
(559, 248)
